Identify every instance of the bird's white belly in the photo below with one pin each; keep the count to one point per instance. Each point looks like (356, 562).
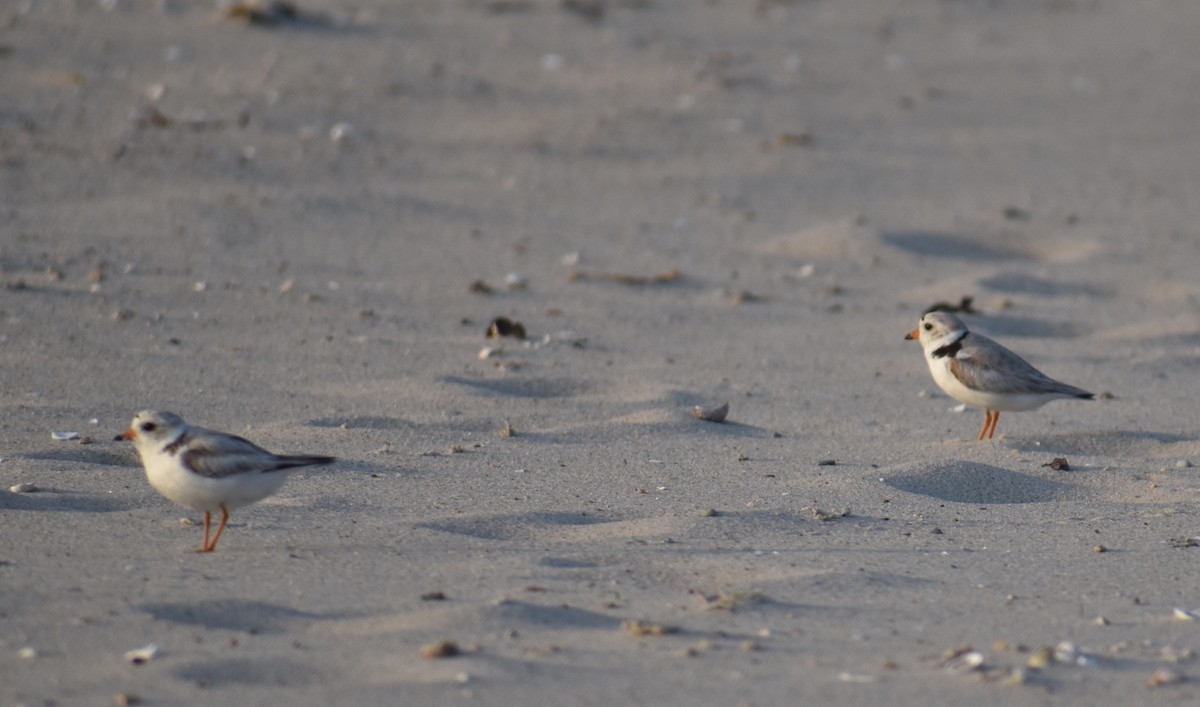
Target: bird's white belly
(209, 494)
(1011, 402)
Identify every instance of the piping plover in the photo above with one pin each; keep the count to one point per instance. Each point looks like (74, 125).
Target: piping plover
(975, 370)
(207, 470)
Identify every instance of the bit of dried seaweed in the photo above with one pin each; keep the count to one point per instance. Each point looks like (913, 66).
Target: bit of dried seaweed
(1058, 464)
(801, 138)
(827, 462)
(480, 287)
(503, 326)
(672, 275)
(964, 306)
(639, 629)
(440, 649)
(592, 10)
(741, 297)
(433, 596)
(1185, 541)
(823, 514)
(730, 600)
(714, 413)
(274, 14)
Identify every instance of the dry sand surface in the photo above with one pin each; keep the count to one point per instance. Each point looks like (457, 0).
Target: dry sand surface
(274, 230)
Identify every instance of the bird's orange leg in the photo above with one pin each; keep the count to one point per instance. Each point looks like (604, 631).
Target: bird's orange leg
(995, 419)
(207, 521)
(220, 529)
(987, 420)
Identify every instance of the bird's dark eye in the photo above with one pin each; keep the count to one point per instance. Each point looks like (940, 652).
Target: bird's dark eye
(148, 426)
(928, 326)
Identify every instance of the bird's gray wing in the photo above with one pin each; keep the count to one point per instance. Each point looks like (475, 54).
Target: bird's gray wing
(985, 365)
(217, 455)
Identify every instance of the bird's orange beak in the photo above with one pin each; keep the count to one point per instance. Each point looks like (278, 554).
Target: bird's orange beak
(128, 434)
(912, 335)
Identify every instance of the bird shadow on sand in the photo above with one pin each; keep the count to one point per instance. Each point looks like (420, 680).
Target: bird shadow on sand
(1110, 443)
(87, 455)
(61, 501)
(948, 245)
(1004, 326)
(961, 481)
(236, 615)
(253, 671)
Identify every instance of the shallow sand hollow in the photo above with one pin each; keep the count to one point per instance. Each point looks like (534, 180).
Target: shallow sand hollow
(299, 233)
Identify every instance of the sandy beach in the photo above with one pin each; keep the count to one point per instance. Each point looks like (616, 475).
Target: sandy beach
(298, 228)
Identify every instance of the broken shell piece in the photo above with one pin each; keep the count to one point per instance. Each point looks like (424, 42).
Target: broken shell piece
(145, 654)
(711, 414)
(503, 326)
(965, 663)
(23, 488)
(441, 649)
(489, 351)
(341, 132)
(1164, 676)
(515, 281)
(1183, 615)
(64, 436)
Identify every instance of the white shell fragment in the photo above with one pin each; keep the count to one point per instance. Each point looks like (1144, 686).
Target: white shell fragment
(1068, 653)
(64, 436)
(489, 351)
(965, 663)
(340, 132)
(23, 488)
(145, 654)
(1183, 615)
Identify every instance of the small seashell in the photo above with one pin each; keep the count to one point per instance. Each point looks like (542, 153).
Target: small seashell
(1183, 464)
(515, 281)
(23, 488)
(64, 436)
(27, 653)
(1041, 658)
(341, 132)
(489, 351)
(711, 414)
(965, 663)
(959, 408)
(858, 678)
(1184, 615)
(145, 654)
(200, 286)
